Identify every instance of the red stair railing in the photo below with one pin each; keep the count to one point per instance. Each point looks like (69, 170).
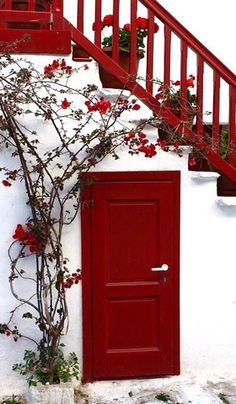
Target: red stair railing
(170, 28)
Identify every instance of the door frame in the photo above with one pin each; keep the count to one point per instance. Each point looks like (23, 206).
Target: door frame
(86, 251)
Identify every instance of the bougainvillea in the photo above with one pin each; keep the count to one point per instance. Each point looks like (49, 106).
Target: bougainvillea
(49, 167)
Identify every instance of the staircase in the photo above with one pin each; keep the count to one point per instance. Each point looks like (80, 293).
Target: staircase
(216, 84)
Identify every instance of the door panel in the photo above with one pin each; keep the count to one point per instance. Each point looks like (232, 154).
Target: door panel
(134, 311)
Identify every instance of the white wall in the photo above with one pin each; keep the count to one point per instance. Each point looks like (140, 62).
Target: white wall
(208, 276)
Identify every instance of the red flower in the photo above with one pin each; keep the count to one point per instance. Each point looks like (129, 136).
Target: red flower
(91, 107)
(68, 69)
(177, 83)
(102, 106)
(127, 27)
(136, 107)
(65, 104)
(190, 81)
(8, 333)
(192, 162)
(156, 28)
(142, 23)
(141, 135)
(55, 64)
(48, 71)
(6, 183)
(63, 64)
(129, 137)
(108, 21)
(74, 279)
(27, 238)
(161, 143)
(149, 150)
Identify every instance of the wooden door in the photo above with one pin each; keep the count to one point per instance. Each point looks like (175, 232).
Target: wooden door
(130, 233)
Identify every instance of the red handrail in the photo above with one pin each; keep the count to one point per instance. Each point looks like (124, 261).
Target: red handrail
(190, 39)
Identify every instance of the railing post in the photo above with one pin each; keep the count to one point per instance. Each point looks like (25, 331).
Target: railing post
(57, 14)
(80, 15)
(98, 17)
(133, 38)
(115, 32)
(183, 79)
(216, 110)
(150, 49)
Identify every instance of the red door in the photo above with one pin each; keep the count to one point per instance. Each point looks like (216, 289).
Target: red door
(130, 232)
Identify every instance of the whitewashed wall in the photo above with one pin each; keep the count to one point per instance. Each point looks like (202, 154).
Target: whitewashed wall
(208, 276)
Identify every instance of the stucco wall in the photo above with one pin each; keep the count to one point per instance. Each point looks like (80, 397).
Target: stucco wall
(208, 276)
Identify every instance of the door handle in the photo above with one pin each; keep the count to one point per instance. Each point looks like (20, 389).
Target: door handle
(164, 268)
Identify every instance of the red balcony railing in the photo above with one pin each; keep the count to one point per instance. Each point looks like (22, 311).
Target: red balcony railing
(40, 19)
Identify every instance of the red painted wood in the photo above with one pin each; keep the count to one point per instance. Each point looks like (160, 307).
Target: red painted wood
(183, 79)
(133, 38)
(115, 34)
(80, 15)
(200, 73)
(132, 315)
(150, 101)
(167, 53)
(150, 53)
(216, 111)
(190, 39)
(98, 17)
(57, 14)
(53, 42)
(232, 115)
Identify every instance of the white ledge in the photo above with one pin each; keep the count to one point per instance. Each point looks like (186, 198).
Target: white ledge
(204, 175)
(226, 201)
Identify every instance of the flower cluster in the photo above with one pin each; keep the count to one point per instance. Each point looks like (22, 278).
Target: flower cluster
(27, 238)
(142, 25)
(72, 279)
(57, 66)
(170, 94)
(138, 143)
(11, 176)
(101, 106)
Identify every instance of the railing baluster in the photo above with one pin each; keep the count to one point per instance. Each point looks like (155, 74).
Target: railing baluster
(216, 111)
(57, 14)
(133, 38)
(98, 17)
(31, 5)
(8, 4)
(80, 15)
(150, 49)
(232, 117)
(115, 34)
(200, 73)
(167, 53)
(183, 79)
